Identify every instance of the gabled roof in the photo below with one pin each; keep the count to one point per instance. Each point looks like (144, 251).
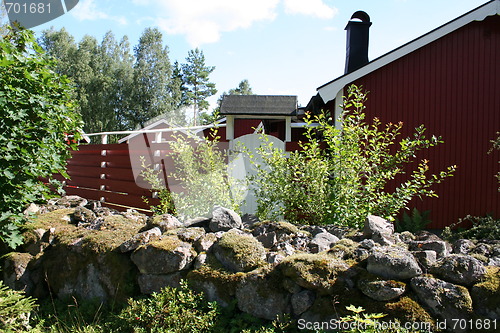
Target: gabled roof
(259, 105)
(158, 124)
(329, 90)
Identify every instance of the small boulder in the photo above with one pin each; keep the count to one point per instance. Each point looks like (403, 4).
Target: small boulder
(441, 248)
(314, 271)
(379, 229)
(238, 252)
(460, 269)
(381, 290)
(445, 300)
(486, 294)
(165, 222)
(205, 242)
(140, 239)
(302, 301)
(224, 219)
(163, 256)
(393, 263)
(256, 297)
(190, 235)
(425, 258)
(322, 242)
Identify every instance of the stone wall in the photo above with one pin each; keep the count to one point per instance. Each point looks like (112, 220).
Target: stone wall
(77, 248)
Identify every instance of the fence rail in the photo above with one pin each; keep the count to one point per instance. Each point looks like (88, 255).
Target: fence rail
(104, 172)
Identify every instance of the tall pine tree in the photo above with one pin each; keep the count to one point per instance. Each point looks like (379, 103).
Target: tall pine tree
(198, 86)
(152, 72)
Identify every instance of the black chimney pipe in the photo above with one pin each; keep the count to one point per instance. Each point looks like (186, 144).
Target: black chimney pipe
(357, 41)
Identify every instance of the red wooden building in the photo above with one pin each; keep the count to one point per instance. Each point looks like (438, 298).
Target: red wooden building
(448, 80)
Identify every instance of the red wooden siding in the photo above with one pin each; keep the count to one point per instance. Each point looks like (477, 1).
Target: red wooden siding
(104, 172)
(452, 86)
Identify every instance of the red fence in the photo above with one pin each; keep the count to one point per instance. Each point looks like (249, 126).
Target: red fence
(104, 172)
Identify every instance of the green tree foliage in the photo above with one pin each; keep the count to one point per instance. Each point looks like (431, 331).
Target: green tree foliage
(243, 88)
(37, 111)
(196, 80)
(152, 72)
(102, 74)
(496, 145)
(341, 175)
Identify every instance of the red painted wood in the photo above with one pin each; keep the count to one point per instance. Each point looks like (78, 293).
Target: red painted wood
(452, 87)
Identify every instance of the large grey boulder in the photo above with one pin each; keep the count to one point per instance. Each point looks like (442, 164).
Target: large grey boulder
(446, 301)
(460, 269)
(224, 219)
(164, 256)
(393, 263)
(257, 297)
(239, 252)
(379, 229)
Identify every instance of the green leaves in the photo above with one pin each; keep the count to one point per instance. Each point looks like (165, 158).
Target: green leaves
(35, 114)
(343, 173)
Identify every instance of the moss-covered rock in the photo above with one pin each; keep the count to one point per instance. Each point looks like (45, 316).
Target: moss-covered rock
(486, 295)
(239, 252)
(313, 271)
(445, 300)
(258, 296)
(14, 271)
(166, 255)
(215, 281)
(407, 309)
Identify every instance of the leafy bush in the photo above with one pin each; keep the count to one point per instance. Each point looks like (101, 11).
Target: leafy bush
(200, 166)
(36, 114)
(171, 310)
(340, 176)
(486, 227)
(15, 310)
(416, 222)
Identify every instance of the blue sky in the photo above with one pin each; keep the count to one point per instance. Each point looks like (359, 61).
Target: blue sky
(281, 46)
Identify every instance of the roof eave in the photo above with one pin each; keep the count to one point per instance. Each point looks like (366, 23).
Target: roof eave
(330, 90)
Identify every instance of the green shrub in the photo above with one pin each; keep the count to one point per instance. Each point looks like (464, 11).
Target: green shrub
(171, 310)
(416, 222)
(486, 227)
(200, 166)
(36, 113)
(15, 310)
(340, 176)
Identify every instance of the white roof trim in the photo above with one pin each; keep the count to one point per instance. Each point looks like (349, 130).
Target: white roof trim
(329, 90)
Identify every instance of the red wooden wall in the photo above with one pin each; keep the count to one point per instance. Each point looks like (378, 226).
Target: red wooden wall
(104, 172)
(452, 86)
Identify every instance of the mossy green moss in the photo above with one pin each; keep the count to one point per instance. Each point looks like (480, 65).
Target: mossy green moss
(407, 309)
(167, 243)
(486, 294)
(313, 271)
(213, 273)
(242, 251)
(344, 249)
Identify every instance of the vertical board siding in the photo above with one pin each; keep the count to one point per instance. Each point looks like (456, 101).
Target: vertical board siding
(452, 86)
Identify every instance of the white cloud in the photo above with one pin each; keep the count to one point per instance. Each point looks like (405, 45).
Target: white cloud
(315, 8)
(87, 10)
(203, 21)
